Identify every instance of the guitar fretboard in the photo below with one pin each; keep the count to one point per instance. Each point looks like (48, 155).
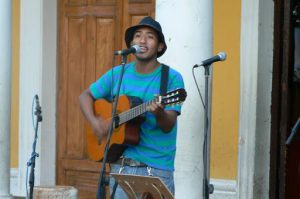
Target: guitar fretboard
(134, 112)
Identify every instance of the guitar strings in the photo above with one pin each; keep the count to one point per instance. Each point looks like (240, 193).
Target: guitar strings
(135, 111)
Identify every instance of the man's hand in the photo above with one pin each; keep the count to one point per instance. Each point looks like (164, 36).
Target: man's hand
(101, 126)
(156, 108)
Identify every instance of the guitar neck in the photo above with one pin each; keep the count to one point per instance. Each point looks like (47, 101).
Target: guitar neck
(134, 112)
(171, 98)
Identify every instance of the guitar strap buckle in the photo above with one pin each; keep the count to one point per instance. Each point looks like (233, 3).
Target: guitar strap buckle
(149, 171)
(122, 166)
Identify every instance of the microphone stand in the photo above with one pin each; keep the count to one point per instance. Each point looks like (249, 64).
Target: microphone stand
(207, 187)
(31, 161)
(103, 181)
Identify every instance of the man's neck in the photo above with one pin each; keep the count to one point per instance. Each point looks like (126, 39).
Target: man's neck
(146, 67)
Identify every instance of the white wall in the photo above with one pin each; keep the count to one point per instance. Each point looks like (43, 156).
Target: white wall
(48, 93)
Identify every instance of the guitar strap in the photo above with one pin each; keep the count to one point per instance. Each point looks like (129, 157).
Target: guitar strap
(164, 79)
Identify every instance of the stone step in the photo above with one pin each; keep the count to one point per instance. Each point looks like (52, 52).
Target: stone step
(61, 192)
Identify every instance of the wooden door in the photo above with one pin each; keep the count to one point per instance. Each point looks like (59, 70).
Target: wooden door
(89, 32)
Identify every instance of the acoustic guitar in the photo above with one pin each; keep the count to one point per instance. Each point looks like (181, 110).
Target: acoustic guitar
(127, 123)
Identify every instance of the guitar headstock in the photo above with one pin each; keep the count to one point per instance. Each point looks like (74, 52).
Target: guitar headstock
(176, 96)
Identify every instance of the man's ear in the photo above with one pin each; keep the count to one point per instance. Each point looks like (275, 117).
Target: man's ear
(160, 47)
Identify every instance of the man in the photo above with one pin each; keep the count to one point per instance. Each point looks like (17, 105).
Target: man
(154, 155)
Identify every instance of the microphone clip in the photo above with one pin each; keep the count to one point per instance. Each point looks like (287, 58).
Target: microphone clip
(38, 109)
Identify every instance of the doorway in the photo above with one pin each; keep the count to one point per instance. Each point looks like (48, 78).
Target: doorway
(285, 159)
(89, 32)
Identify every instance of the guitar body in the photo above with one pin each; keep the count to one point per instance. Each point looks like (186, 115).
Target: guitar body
(127, 133)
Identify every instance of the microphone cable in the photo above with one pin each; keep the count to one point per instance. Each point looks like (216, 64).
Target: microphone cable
(199, 92)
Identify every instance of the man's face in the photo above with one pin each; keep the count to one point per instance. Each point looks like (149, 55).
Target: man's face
(147, 39)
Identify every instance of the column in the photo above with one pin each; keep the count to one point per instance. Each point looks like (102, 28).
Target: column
(31, 52)
(257, 20)
(188, 32)
(5, 93)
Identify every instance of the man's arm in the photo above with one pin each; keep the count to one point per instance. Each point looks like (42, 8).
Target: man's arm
(86, 100)
(165, 119)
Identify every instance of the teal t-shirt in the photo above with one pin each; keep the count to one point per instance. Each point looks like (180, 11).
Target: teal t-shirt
(156, 148)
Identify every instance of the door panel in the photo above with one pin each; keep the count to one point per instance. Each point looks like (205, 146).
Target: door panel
(89, 32)
(76, 48)
(105, 29)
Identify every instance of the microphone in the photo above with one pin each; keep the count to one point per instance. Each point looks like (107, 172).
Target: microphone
(219, 57)
(133, 49)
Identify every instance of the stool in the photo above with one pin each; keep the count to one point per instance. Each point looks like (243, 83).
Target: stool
(47, 192)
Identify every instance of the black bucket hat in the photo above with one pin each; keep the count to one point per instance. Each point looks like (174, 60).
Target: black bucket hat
(148, 22)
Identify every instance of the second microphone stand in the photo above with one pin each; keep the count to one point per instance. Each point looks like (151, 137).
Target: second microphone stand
(103, 181)
(207, 187)
(31, 162)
